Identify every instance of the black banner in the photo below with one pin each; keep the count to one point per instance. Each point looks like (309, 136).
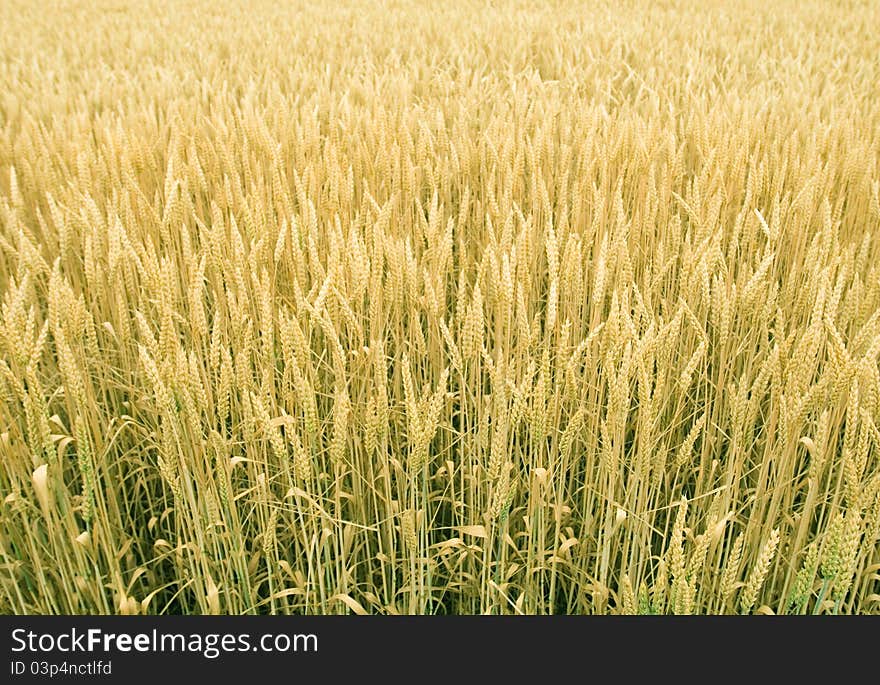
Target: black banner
(407, 649)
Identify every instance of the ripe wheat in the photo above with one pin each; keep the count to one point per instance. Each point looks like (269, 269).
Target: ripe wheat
(439, 307)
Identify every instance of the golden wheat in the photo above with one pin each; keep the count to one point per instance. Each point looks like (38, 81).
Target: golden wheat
(460, 308)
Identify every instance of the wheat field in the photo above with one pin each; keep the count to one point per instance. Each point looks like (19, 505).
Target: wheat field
(439, 308)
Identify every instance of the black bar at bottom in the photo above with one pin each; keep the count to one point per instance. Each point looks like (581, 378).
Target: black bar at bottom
(410, 649)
